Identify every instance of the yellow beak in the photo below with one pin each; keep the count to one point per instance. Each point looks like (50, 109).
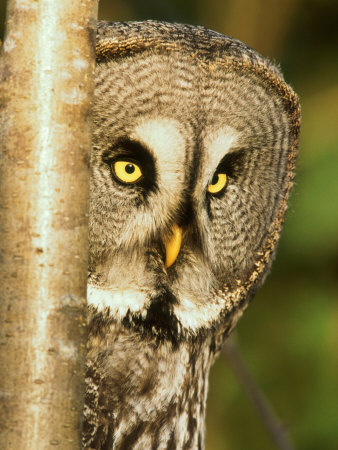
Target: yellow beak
(173, 245)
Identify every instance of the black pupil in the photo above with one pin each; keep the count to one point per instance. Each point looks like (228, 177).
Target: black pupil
(214, 179)
(130, 168)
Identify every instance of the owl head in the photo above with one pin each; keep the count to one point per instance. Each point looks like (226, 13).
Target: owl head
(194, 145)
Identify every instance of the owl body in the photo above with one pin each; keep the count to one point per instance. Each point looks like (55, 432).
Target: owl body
(194, 146)
(152, 395)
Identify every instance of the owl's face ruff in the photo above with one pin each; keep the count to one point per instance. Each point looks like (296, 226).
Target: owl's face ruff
(182, 119)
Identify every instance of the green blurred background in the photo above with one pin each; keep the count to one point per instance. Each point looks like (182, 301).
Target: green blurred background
(289, 334)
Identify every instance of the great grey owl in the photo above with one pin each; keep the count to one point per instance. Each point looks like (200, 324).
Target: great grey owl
(194, 145)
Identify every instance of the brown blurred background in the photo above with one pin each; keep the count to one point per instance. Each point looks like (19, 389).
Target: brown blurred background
(289, 334)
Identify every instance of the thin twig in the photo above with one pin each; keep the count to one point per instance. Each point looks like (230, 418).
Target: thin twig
(259, 401)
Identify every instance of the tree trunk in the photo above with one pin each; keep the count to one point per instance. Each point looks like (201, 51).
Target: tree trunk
(46, 68)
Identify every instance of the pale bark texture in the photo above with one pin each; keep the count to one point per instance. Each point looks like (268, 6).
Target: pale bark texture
(46, 68)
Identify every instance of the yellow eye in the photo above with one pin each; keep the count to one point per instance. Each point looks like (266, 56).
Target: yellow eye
(218, 183)
(127, 171)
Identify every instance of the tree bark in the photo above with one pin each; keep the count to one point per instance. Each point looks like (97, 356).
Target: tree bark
(46, 80)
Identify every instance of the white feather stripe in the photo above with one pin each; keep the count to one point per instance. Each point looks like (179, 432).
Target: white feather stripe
(194, 317)
(119, 302)
(191, 318)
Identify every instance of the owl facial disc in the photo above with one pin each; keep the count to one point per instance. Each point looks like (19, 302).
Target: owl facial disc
(208, 149)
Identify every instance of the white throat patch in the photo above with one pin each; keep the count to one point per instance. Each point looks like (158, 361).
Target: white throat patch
(118, 301)
(192, 317)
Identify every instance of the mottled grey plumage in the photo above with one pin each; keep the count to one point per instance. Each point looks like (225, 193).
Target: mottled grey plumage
(183, 103)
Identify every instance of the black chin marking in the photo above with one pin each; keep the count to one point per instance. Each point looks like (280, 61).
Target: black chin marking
(159, 321)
